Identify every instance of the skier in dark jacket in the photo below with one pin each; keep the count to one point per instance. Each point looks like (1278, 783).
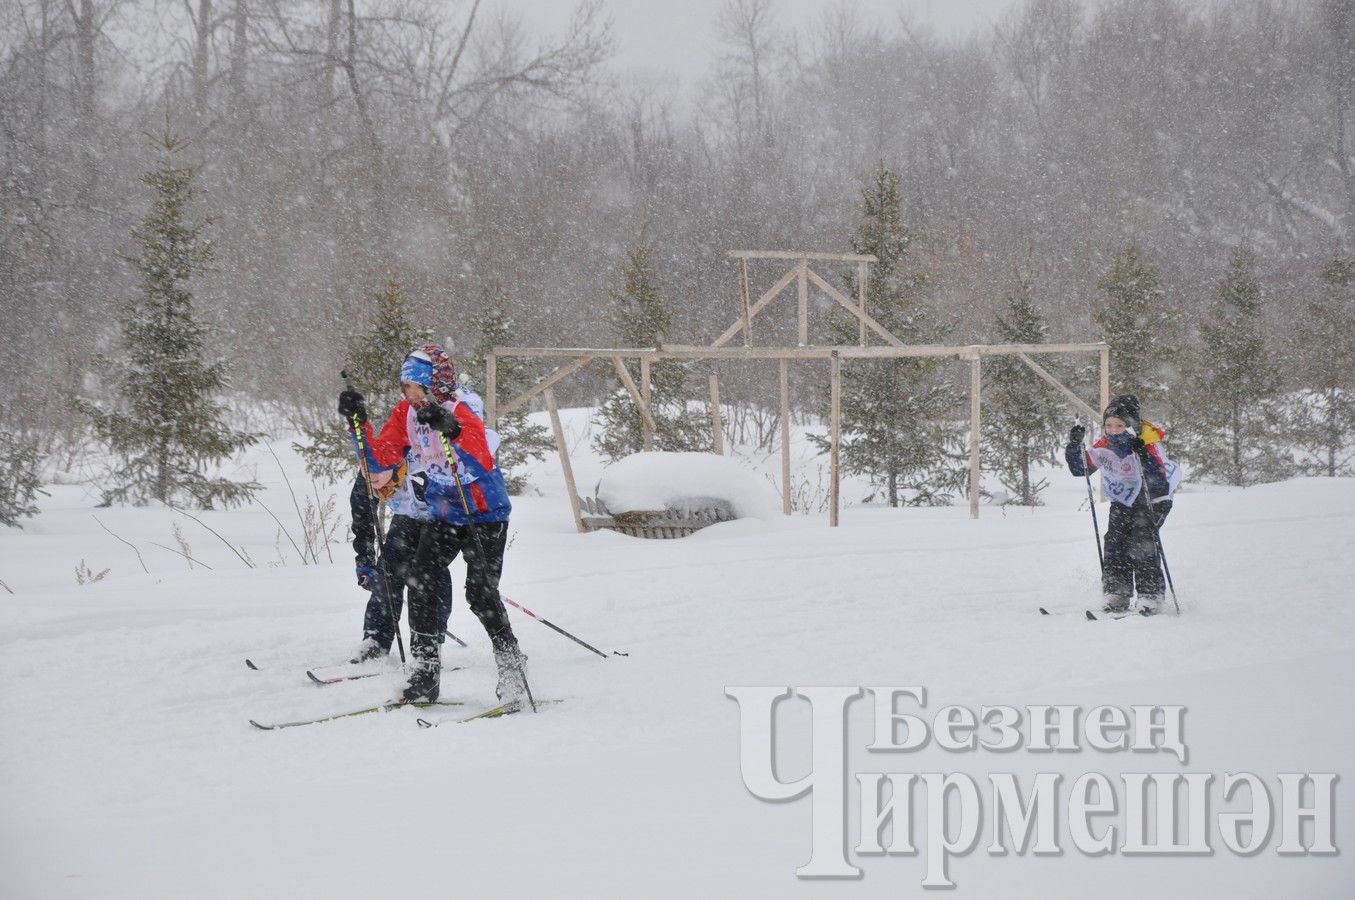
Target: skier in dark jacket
(397, 553)
(466, 492)
(1139, 479)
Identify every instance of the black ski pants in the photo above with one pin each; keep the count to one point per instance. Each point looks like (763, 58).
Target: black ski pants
(439, 544)
(1131, 551)
(397, 556)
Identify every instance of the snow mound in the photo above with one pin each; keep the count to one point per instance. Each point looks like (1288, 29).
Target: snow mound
(686, 482)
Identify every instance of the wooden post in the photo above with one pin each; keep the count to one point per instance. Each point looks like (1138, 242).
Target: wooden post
(803, 288)
(717, 431)
(1105, 378)
(1105, 401)
(743, 302)
(646, 392)
(564, 460)
(975, 409)
(491, 389)
(785, 435)
(861, 276)
(835, 427)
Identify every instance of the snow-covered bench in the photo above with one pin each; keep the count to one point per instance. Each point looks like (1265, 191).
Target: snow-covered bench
(671, 495)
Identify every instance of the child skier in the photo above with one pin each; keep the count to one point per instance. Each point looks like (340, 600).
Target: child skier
(408, 514)
(429, 417)
(1139, 479)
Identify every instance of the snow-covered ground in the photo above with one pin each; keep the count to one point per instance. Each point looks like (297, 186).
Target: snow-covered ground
(128, 767)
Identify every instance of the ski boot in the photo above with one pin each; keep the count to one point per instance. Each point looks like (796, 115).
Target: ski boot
(512, 663)
(425, 669)
(369, 650)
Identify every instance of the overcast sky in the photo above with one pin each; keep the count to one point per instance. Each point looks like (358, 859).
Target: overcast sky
(678, 36)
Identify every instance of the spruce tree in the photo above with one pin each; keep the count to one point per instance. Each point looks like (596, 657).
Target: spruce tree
(164, 425)
(1324, 418)
(20, 479)
(1021, 413)
(1138, 326)
(373, 364)
(522, 440)
(639, 319)
(896, 413)
(1230, 425)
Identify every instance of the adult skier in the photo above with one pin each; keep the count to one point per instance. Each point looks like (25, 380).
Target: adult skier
(1140, 480)
(469, 502)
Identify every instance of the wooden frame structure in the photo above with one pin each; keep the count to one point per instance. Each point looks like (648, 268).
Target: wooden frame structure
(803, 276)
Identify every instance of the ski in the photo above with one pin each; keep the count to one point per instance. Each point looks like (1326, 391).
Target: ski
(383, 707)
(1093, 617)
(336, 679)
(494, 712)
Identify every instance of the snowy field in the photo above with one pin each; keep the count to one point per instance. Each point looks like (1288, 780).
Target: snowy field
(128, 767)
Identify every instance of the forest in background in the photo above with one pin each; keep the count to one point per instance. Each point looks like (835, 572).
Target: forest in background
(339, 141)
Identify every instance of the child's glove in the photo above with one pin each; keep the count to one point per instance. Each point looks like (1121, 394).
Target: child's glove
(1076, 434)
(367, 577)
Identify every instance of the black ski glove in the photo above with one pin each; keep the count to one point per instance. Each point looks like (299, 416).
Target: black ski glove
(1137, 443)
(1160, 510)
(439, 418)
(1076, 434)
(419, 483)
(351, 404)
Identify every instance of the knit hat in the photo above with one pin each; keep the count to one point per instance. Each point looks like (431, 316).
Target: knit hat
(1124, 407)
(431, 367)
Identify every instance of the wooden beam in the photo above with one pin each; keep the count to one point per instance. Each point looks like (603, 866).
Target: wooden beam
(835, 439)
(717, 431)
(646, 414)
(796, 254)
(862, 275)
(802, 304)
(847, 351)
(544, 384)
(491, 389)
(743, 303)
(785, 435)
(647, 394)
(851, 308)
(1077, 401)
(975, 412)
(761, 304)
(563, 450)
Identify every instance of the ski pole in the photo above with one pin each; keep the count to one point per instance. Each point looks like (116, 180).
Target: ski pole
(1091, 501)
(1166, 570)
(549, 624)
(475, 537)
(376, 527)
(1157, 538)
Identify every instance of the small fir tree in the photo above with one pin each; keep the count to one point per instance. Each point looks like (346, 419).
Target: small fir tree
(165, 427)
(897, 414)
(20, 478)
(522, 439)
(1230, 426)
(374, 361)
(1324, 416)
(1137, 325)
(640, 320)
(1021, 414)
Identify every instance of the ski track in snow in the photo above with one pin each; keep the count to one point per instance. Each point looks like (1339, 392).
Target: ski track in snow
(128, 767)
